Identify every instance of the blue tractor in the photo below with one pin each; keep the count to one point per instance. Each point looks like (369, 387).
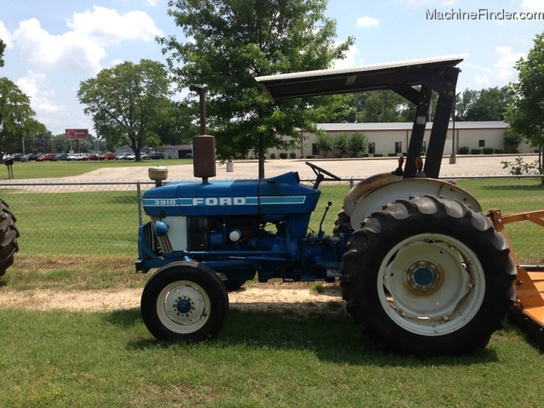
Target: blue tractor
(422, 269)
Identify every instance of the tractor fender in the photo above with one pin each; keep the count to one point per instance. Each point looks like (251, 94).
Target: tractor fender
(362, 201)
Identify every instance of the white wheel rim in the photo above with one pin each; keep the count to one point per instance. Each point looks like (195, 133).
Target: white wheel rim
(431, 284)
(183, 307)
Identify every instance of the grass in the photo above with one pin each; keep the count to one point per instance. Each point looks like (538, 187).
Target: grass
(64, 359)
(32, 169)
(261, 359)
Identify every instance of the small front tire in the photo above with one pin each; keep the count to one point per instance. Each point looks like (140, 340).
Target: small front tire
(184, 301)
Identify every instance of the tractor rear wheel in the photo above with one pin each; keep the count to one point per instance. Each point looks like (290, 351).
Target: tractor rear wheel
(184, 301)
(8, 237)
(428, 276)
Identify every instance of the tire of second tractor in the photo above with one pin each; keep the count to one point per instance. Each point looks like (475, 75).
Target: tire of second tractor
(184, 301)
(428, 276)
(8, 237)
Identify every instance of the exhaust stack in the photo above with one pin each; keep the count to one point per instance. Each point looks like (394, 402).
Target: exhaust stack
(203, 145)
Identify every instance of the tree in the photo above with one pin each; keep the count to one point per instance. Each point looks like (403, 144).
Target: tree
(358, 143)
(341, 143)
(324, 143)
(127, 102)
(485, 104)
(2, 49)
(233, 41)
(16, 115)
(526, 113)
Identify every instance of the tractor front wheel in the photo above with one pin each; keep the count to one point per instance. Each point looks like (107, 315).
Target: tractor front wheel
(184, 301)
(428, 276)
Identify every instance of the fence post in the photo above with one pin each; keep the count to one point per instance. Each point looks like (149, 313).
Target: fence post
(139, 196)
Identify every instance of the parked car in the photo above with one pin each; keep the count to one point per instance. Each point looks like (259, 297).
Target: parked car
(107, 156)
(31, 156)
(156, 155)
(62, 156)
(92, 157)
(46, 157)
(122, 156)
(143, 156)
(19, 157)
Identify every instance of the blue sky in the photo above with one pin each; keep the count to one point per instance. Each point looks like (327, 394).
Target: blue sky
(54, 45)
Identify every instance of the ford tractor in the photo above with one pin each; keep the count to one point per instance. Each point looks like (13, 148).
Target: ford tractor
(422, 269)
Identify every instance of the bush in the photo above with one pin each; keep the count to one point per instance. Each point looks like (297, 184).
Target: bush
(463, 150)
(475, 151)
(391, 154)
(283, 155)
(292, 155)
(378, 155)
(488, 150)
(272, 155)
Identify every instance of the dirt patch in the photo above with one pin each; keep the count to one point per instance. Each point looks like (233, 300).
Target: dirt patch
(280, 298)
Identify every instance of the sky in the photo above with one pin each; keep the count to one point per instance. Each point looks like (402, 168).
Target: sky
(54, 45)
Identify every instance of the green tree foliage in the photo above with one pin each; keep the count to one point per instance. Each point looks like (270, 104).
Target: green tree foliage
(357, 143)
(127, 103)
(176, 126)
(526, 113)
(324, 143)
(341, 144)
(229, 42)
(382, 106)
(485, 104)
(16, 116)
(2, 49)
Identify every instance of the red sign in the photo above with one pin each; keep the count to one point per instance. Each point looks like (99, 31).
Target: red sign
(74, 134)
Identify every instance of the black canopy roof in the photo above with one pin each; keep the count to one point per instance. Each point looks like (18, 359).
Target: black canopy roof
(358, 79)
(415, 80)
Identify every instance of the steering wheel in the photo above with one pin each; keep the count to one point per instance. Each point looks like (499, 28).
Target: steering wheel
(318, 170)
(319, 174)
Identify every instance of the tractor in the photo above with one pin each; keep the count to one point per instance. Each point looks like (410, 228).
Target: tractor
(422, 269)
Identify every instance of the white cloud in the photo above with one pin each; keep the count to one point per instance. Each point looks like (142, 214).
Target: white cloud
(504, 64)
(5, 35)
(69, 50)
(532, 5)
(34, 85)
(350, 59)
(108, 27)
(367, 22)
(83, 47)
(420, 3)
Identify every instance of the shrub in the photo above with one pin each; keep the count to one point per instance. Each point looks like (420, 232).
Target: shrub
(475, 151)
(292, 155)
(283, 155)
(488, 150)
(272, 155)
(463, 150)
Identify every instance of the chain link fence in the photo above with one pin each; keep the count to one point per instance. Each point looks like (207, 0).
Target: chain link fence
(103, 217)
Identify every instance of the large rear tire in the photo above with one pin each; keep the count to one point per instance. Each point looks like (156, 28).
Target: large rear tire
(184, 301)
(428, 276)
(8, 237)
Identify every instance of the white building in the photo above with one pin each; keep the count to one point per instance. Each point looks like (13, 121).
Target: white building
(394, 138)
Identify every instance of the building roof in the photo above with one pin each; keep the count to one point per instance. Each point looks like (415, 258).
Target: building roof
(396, 126)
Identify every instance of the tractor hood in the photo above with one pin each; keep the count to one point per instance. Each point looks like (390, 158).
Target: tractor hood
(278, 195)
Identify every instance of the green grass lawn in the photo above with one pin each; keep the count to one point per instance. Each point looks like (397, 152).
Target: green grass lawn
(261, 359)
(32, 169)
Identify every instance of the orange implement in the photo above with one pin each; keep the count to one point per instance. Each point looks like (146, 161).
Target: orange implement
(528, 310)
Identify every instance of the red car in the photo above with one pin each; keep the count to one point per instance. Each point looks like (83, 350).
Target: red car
(107, 156)
(46, 157)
